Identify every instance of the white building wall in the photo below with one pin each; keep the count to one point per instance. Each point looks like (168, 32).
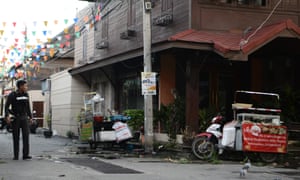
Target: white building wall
(36, 95)
(67, 100)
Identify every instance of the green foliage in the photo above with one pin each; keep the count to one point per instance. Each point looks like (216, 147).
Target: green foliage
(70, 134)
(172, 117)
(215, 158)
(205, 116)
(137, 118)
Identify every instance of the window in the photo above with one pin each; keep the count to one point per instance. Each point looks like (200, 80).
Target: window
(131, 94)
(105, 28)
(131, 13)
(84, 45)
(252, 2)
(237, 2)
(166, 5)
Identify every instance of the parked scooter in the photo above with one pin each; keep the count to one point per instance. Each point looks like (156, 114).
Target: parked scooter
(211, 142)
(206, 144)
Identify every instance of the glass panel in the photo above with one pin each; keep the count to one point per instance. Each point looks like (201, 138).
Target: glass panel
(131, 94)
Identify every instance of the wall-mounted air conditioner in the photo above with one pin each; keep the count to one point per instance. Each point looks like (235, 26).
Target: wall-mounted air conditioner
(127, 34)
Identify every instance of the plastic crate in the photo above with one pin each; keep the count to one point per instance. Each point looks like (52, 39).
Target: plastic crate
(119, 118)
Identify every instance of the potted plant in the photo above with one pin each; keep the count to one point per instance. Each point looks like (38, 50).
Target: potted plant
(48, 133)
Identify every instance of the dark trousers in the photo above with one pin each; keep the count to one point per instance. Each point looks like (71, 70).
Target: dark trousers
(20, 122)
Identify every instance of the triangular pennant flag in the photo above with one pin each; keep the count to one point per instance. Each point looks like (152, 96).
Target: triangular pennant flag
(76, 28)
(14, 24)
(86, 19)
(16, 39)
(75, 20)
(97, 18)
(12, 32)
(1, 32)
(38, 57)
(45, 33)
(45, 58)
(68, 36)
(33, 33)
(68, 44)
(46, 23)
(66, 30)
(49, 40)
(49, 32)
(66, 21)
(55, 22)
(3, 24)
(51, 52)
(91, 25)
(34, 23)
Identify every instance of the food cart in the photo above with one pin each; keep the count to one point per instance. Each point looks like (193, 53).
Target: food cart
(256, 128)
(97, 128)
(259, 127)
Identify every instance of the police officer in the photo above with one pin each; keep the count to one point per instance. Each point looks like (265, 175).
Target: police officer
(20, 109)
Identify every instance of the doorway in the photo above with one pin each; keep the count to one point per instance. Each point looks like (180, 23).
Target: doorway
(38, 108)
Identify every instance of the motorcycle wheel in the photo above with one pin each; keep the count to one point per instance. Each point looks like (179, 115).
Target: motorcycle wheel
(203, 148)
(268, 157)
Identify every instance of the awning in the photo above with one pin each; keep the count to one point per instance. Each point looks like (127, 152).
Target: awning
(237, 46)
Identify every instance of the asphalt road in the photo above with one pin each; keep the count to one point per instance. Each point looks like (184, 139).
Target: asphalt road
(52, 159)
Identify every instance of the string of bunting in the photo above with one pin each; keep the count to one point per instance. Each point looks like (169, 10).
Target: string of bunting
(24, 48)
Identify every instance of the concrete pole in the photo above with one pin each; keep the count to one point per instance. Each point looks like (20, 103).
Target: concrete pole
(148, 105)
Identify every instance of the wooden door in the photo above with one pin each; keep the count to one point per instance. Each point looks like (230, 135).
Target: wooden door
(38, 107)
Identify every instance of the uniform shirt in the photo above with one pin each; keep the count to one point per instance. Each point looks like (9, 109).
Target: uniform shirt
(19, 103)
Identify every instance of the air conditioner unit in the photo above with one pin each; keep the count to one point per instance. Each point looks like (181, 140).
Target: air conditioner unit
(163, 20)
(90, 60)
(148, 6)
(102, 45)
(127, 34)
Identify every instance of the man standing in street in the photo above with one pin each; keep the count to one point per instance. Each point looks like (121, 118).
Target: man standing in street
(20, 109)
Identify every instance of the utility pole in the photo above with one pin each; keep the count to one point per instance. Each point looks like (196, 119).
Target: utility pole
(148, 105)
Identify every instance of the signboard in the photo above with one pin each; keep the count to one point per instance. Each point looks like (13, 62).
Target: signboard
(148, 83)
(264, 138)
(86, 131)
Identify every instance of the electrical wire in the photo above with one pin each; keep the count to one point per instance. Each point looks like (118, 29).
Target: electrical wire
(245, 41)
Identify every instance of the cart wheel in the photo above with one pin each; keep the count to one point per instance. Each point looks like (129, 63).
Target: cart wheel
(268, 157)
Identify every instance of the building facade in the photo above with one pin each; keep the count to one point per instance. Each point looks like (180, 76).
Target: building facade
(202, 49)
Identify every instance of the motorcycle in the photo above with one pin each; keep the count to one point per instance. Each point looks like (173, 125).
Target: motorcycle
(254, 130)
(205, 144)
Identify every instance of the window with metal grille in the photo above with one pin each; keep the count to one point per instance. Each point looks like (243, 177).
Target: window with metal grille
(84, 45)
(105, 22)
(166, 5)
(131, 14)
